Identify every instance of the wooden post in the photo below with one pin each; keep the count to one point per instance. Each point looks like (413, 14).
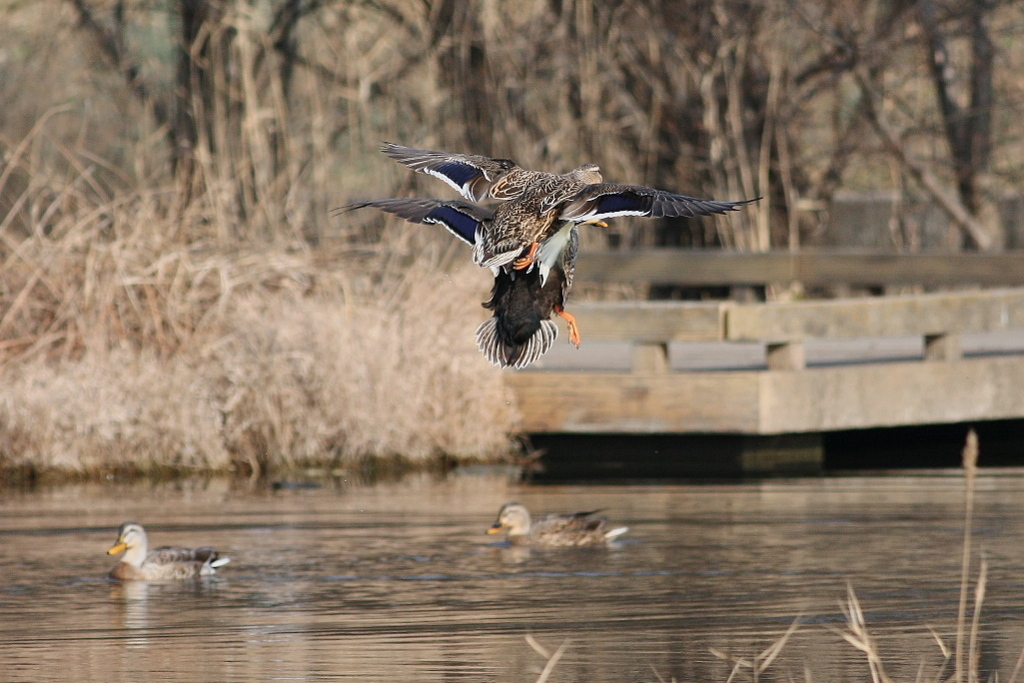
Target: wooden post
(651, 358)
(786, 355)
(943, 347)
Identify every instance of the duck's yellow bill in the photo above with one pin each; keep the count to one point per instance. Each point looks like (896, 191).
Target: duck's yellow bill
(120, 547)
(495, 529)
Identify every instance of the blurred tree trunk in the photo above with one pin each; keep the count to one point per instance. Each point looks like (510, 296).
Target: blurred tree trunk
(195, 90)
(226, 70)
(968, 129)
(462, 55)
(188, 107)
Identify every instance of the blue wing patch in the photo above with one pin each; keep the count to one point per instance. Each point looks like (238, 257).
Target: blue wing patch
(623, 204)
(457, 172)
(463, 226)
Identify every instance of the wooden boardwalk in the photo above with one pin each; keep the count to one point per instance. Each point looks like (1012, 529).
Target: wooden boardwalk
(787, 396)
(780, 393)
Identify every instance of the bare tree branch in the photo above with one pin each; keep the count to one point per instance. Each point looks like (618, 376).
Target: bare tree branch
(113, 49)
(946, 200)
(968, 130)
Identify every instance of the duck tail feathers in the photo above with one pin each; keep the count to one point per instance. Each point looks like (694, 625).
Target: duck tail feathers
(505, 354)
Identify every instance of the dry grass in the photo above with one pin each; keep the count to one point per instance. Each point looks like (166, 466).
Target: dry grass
(127, 349)
(759, 663)
(132, 342)
(270, 381)
(399, 379)
(157, 321)
(551, 658)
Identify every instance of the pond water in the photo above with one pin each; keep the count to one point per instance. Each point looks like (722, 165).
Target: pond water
(398, 582)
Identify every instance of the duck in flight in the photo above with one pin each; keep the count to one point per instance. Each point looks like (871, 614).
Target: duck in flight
(534, 203)
(520, 330)
(532, 234)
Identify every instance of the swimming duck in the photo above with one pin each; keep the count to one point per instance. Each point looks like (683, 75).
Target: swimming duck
(521, 330)
(166, 562)
(536, 202)
(576, 529)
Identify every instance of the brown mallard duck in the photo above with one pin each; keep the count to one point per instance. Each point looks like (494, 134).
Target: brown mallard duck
(575, 529)
(535, 202)
(166, 562)
(521, 330)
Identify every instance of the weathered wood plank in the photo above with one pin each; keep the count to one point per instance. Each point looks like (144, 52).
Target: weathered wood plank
(651, 358)
(751, 402)
(649, 321)
(786, 356)
(925, 314)
(685, 266)
(943, 347)
(813, 268)
(928, 269)
(890, 395)
(611, 402)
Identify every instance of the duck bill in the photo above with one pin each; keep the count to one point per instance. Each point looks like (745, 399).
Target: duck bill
(119, 548)
(496, 529)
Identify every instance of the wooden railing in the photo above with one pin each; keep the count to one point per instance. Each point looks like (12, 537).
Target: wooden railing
(813, 268)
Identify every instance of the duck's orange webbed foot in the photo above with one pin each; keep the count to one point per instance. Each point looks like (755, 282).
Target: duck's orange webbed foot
(596, 221)
(524, 262)
(570, 320)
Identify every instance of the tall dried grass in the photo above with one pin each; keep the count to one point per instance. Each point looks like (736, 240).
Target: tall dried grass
(122, 351)
(154, 319)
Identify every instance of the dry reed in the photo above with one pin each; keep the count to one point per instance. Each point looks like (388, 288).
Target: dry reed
(278, 381)
(759, 663)
(551, 658)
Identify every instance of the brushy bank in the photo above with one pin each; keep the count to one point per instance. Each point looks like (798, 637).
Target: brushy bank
(269, 377)
(174, 295)
(281, 382)
(132, 341)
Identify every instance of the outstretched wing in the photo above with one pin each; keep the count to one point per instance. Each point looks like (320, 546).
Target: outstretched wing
(470, 174)
(461, 218)
(608, 200)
